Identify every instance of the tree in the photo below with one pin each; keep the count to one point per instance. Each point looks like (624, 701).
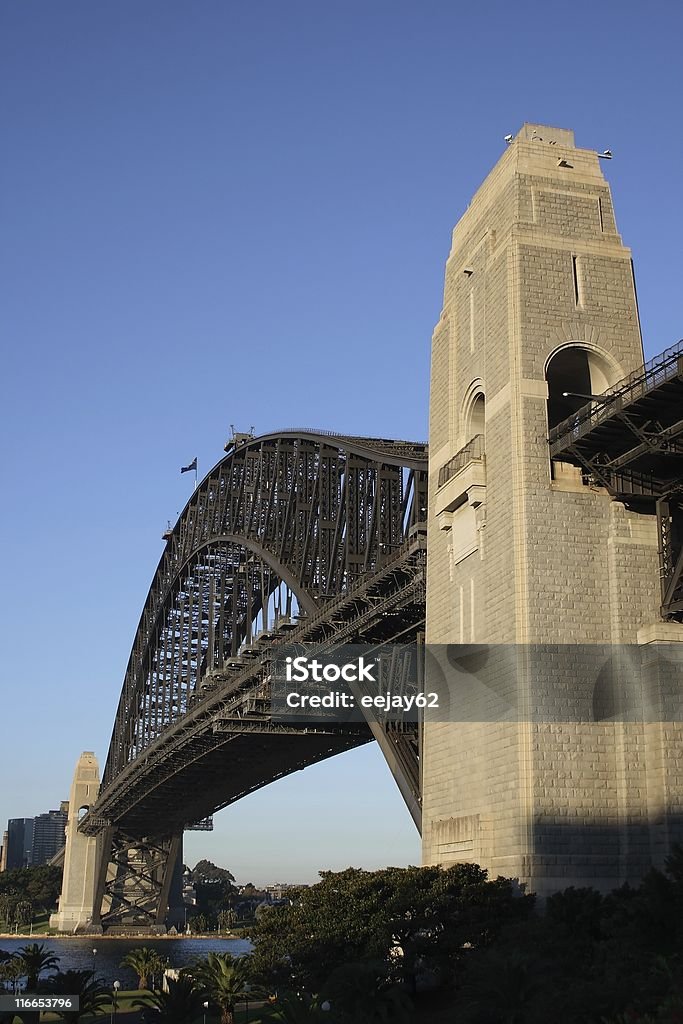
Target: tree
(214, 888)
(363, 993)
(181, 1004)
(8, 902)
(225, 980)
(411, 920)
(36, 959)
(226, 919)
(39, 885)
(23, 913)
(199, 923)
(145, 962)
(206, 871)
(92, 995)
(12, 971)
(300, 1008)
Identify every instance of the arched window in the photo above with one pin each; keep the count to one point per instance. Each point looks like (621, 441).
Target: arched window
(581, 372)
(474, 412)
(477, 424)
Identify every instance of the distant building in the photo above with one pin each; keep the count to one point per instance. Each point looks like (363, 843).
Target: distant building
(48, 835)
(29, 842)
(281, 890)
(19, 843)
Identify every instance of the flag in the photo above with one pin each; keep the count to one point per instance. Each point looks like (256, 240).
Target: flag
(192, 468)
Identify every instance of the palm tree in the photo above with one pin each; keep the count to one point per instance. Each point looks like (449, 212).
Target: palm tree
(92, 996)
(11, 971)
(224, 979)
(145, 962)
(299, 1008)
(35, 959)
(181, 1004)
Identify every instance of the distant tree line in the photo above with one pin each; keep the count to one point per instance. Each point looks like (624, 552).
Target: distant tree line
(220, 903)
(28, 892)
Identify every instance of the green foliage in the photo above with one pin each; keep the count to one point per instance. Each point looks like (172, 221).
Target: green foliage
(206, 871)
(363, 994)
(215, 890)
(411, 920)
(299, 1008)
(11, 971)
(92, 995)
(39, 886)
(224, 980)
(199, 923)
(35, 960)
(181, 1004)
(363, 940)
(146, 963)
(226, 919)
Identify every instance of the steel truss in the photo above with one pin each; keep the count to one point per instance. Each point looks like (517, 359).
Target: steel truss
(134, 881)
(295, 537)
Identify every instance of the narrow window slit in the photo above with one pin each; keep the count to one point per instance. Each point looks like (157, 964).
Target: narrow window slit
(577, 286)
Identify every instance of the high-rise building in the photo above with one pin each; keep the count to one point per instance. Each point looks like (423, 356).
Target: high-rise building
(48, 835)
(29, 842)
(19, 843)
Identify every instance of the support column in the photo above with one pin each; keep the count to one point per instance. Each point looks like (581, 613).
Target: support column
(78, 884)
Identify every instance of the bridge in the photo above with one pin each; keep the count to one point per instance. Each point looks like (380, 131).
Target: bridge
(296, 537)
(303, 537)
(556, 498)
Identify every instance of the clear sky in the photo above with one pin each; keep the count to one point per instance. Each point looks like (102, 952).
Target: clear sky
(218, 212)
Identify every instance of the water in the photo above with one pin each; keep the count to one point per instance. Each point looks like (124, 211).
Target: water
(76, 953)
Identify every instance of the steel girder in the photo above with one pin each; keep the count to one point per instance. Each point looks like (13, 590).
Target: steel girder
(284, 528)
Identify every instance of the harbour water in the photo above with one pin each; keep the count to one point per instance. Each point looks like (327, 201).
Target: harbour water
(77, 953)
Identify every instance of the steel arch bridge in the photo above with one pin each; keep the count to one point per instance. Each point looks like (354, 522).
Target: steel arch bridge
(298, 536)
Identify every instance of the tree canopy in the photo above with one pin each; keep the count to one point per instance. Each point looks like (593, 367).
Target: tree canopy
(410, 920)
(206, 871)
(39, 886)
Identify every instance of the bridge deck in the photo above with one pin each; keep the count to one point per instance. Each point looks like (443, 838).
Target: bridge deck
(630, 441)
(630, 438)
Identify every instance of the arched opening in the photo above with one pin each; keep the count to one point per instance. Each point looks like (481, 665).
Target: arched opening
(474, 413)
(574, 373)
(477, 423)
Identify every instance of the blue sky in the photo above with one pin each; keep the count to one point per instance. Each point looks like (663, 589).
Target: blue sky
(219, 212)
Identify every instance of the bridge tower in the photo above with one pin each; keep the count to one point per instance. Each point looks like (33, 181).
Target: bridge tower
(539, 300)
(80, 854)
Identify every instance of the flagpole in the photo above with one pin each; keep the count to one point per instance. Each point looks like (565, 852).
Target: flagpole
(195, 476)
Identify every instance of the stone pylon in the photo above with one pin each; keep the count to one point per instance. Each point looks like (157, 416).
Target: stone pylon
(78, 884)
(539, 314)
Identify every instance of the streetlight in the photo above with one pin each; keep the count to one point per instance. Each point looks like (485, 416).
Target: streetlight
(94, 954)
(117, 986)
(247, 990)
(327, 1005)
(589, 398)
(206, 1007)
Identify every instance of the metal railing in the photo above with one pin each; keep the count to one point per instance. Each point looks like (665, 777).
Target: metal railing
(659, 370)
(473, 451)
